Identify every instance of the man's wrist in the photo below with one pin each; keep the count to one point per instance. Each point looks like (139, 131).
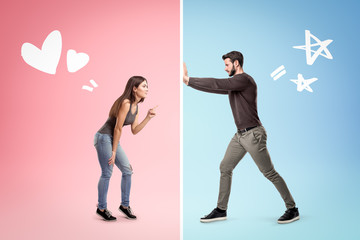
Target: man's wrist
(187, 80)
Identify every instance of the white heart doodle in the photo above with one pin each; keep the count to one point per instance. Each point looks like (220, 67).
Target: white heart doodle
(76, 61)
(46, 59)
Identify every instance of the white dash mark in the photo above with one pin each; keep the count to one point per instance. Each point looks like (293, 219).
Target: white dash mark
(279, 72)
(90, 89)
(93, 83)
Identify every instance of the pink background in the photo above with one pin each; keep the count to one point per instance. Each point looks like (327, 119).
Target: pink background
(49, 166)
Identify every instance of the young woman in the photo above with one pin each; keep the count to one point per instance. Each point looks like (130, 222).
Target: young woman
(123, 112)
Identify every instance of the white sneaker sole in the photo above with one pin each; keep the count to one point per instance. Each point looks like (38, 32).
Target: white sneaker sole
(289, 221)
(213, 219)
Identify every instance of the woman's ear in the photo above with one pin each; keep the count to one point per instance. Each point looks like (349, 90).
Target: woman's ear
(134, 89)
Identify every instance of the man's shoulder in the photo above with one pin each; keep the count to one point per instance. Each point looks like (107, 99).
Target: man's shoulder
(246, 79)
(243, 76)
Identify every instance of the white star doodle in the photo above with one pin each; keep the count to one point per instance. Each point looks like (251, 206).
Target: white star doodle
(307, 47)
(303, 84)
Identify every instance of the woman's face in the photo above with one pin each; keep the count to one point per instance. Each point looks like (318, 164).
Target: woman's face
(142, 90)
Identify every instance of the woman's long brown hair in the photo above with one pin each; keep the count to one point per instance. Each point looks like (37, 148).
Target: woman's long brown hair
(128, 93)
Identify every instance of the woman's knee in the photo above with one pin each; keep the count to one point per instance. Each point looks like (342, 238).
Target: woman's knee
(106, 173)
(127, 170)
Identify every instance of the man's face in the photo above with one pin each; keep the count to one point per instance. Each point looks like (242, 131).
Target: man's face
(229, 67)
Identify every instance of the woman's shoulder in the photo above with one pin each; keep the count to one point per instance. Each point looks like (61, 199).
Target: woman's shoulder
(125, 104)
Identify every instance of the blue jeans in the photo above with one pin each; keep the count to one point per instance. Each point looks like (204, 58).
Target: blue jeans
(103, 145)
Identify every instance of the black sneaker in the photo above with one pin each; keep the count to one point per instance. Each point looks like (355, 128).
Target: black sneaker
(215, 215)
(290, 215)
(127, 212)
(106, 215)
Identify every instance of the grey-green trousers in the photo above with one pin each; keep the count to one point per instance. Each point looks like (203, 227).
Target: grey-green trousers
(254, 142)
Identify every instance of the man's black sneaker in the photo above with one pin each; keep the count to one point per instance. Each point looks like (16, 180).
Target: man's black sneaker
(290, 215)
(215, 215)
(106, 215)
(127, 212)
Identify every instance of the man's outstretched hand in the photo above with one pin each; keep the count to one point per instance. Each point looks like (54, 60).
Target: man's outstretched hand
(185, 74)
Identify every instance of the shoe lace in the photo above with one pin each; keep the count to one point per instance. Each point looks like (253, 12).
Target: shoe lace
(287, 213)
(210, 213)
(107, 212)
(129, 210)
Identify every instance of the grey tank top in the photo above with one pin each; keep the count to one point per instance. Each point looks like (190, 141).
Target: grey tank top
(108, 127)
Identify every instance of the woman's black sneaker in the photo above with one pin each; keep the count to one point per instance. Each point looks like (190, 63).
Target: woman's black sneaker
(290, 215)
(215, 215)
(127, 212)
(106, 215)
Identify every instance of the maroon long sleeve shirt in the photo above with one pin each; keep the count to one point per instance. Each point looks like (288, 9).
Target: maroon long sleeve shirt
(242, 92)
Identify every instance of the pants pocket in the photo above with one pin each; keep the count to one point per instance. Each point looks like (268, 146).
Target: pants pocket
(105, 138)
(259, 139)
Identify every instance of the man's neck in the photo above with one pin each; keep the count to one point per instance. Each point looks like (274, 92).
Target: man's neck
(239, 71)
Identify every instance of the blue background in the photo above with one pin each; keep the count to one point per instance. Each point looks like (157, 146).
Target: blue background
(312, 137)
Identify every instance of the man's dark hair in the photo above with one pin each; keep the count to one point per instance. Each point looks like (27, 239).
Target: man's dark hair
(234, 55)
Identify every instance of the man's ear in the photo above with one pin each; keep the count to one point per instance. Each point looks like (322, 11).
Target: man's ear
(236, 63)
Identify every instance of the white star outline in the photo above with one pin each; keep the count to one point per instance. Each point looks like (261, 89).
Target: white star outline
(307, 47)
(303, 83)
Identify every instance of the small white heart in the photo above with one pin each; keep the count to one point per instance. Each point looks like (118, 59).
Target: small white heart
(76, 61)
(46, 59)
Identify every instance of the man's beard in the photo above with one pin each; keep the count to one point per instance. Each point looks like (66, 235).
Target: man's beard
(232, 72)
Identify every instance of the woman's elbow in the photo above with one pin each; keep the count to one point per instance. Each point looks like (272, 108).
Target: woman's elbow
(134, 132)
(118, 129)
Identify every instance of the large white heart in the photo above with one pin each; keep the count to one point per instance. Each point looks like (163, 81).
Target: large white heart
(76, 61)
(46, 59)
